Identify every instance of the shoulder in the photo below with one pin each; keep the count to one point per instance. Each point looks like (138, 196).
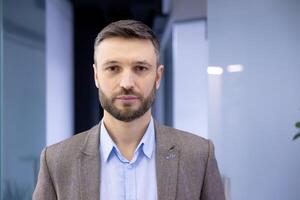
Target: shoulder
(188, 142)
(69, 148)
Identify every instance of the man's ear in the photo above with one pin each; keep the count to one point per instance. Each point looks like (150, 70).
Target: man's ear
(159, 72)
(96, 75)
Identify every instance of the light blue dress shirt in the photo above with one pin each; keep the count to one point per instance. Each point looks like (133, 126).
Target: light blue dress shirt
(122, 179)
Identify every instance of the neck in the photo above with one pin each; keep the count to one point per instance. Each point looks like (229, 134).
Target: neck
(126, 135)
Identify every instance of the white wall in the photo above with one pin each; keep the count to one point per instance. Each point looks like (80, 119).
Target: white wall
(59, 70)
(260, 105)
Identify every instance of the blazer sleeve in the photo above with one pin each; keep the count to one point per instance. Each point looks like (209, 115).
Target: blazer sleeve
(213, 188)
(44, 189)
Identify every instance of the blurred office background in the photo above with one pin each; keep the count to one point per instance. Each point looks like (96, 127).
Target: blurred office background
(232, 74)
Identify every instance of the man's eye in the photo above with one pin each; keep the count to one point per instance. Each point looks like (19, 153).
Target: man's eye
(112, 68)
(141, 68)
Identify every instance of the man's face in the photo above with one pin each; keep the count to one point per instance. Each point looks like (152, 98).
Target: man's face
(126, 76)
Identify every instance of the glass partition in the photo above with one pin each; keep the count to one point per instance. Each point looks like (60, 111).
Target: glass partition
(22, 95)
(1, 109)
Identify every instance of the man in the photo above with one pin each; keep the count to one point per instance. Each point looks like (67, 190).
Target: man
(128, 155)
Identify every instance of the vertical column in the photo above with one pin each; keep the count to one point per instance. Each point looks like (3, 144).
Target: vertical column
(1, 96)
(190, 77)
(59, 70)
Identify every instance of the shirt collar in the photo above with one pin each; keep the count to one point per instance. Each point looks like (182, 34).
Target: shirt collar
(106, 143)
(147, 142)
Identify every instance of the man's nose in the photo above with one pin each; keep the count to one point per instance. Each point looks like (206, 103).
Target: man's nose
(127, 80)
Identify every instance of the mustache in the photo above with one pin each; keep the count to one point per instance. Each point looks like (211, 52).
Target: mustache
(127, 92)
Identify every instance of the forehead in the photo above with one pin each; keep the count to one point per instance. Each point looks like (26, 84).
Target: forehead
(125, 50)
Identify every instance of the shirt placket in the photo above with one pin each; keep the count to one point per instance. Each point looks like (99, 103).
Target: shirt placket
(130, 185)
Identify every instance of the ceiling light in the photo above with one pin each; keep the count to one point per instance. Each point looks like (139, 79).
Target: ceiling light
(214, 70)
(235, 68)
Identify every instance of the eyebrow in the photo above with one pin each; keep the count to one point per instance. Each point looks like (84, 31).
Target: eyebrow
(142, 63)
(113, 62)
(110, 62)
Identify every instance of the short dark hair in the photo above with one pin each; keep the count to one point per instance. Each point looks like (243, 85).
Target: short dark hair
(128, 29)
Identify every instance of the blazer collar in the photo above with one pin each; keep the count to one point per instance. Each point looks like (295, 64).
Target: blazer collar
(90, 146)
(167, 157)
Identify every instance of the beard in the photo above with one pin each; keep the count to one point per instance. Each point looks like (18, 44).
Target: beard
(127, 113)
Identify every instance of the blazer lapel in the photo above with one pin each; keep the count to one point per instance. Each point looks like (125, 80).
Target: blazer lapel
(89, 166)
(167, 157)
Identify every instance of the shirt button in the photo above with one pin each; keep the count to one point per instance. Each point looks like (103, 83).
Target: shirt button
(129, 166)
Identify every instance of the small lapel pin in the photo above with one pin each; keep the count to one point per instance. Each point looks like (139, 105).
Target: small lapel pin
(171, 154)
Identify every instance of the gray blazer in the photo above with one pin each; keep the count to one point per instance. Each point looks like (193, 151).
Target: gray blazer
(186, 167)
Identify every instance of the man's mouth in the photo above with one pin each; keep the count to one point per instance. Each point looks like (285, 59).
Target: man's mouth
(127, 97)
